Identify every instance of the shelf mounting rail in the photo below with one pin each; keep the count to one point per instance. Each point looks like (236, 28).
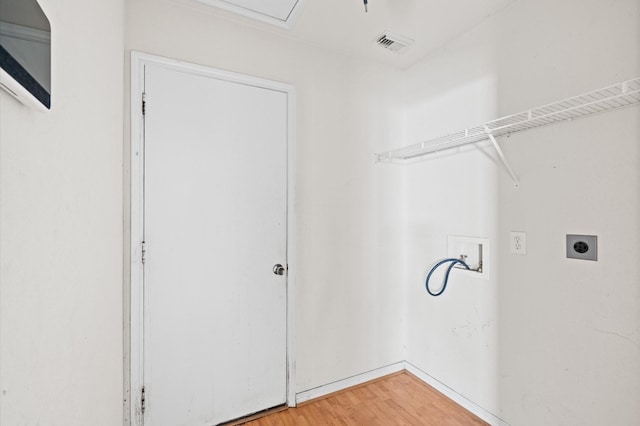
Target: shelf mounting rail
(620, 95)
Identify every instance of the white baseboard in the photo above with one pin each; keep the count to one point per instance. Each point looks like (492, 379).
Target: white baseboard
(358, 379)
(455, 396)
(349, 382)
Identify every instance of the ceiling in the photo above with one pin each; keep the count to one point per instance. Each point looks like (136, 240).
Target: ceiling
(343, 25)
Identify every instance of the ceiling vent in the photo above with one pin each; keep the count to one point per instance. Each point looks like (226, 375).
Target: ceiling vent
(393, 42)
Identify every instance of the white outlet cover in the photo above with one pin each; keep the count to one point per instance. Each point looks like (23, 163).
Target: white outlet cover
(518, 242)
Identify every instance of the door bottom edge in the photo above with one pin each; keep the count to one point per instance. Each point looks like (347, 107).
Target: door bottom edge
(255, 416)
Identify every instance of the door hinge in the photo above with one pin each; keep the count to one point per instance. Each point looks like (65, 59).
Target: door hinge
(142, 400)
(144, 252)
(144, 104)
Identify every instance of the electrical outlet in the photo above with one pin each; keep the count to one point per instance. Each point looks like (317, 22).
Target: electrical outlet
(583, 247)
(518, 243)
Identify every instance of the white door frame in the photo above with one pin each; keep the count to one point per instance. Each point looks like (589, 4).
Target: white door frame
(136, 320)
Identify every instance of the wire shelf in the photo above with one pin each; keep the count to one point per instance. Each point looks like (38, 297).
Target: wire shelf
(624, 94)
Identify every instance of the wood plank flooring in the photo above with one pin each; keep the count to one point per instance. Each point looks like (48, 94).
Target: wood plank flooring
(397, 399)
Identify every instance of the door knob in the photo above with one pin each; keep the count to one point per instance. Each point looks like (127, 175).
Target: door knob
(278, 269)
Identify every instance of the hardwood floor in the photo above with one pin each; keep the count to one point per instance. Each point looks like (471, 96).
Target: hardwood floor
(397, 399)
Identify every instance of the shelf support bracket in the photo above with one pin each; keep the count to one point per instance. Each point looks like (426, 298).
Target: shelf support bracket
(516, 181)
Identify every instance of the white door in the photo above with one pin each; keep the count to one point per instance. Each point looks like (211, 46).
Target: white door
(215, 190)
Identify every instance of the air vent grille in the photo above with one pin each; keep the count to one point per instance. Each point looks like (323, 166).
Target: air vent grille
(393, 42)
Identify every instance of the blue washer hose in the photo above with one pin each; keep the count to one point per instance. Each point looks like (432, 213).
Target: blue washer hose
(446, 276)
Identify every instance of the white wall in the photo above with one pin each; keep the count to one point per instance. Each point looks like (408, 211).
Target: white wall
(349, 307)
(61, 230)
(547, 340)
